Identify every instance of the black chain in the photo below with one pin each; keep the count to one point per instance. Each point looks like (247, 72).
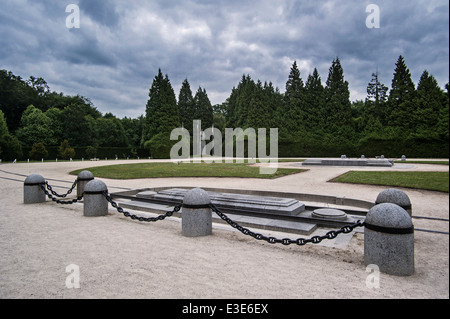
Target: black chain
(286, 241)
(63, 202)
(63, 195)
(139, 218)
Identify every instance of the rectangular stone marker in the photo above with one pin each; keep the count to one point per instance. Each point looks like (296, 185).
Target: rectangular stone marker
(230, 202)
(349, 162)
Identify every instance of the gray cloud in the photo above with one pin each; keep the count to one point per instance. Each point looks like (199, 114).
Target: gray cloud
(114, 56)
(102, 11)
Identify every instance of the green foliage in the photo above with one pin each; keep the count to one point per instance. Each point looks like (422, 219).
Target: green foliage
(435, 181)
(186, 106)
(79, 125)
(161, 113)
(35, 127)
(155, 170)
(313, 118)
(401, 101)
(4, 132)
(91, 152)
(10, 148)
(65, 151)
(110, 131)
(337, 103)
(203, 109)
(160, 145)
(38, 151)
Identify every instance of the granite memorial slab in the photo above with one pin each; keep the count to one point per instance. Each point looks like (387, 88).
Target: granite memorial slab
(381, 162)
(231, 202)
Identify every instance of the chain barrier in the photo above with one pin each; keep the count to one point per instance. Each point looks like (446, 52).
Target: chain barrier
(53, 198)
(286, 241)
(139, 218)
(63, 195)
(271, 240)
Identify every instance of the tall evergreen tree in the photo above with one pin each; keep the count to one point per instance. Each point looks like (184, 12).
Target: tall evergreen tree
(245, 94)
(376, 97)
(442, 125)
(430, 100)
(260, 110)
(337, 103)
(186, 106)
(161, 112)
(294, 112)
(161, 117)
(401, 99)
(203, 108)
(314, 102)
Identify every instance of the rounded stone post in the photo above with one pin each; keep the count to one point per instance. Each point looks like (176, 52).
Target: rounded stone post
(32, 192)
(389, 239)
(395, 196)
(95, 203)
(196, 216)
(83, 178)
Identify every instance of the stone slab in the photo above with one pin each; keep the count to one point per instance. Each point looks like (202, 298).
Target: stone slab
(230, 202)
(245, 221)
(349, 162)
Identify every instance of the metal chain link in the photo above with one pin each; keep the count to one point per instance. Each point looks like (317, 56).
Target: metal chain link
(286, 241)
(63, 202)
(139, 218)
(63, 195)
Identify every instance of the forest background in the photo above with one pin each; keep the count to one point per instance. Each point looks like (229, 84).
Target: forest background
(314, 119)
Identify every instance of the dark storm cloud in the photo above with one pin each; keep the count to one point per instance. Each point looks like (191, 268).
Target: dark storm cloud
(115, 54)
(102, 11)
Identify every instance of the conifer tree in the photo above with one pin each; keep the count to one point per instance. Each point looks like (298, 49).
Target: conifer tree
(161, 117)
(401, 99)
(293, 101)
(337, 102)
(430, 100)
(314, 102)
(203, 108)
(376, 97)
(260, 112)
(186, 106)
(245, 93)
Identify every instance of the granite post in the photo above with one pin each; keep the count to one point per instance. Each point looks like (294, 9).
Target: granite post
(95, 203)
(395, 196)
(83, 178)
(196, 215)
(389, 239)
(32, 191)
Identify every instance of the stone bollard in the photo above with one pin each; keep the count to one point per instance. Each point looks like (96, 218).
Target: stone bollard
(83, 178)
(95, 203)
(389, 239)
(32, 191)
(196, 216)
(395, 196)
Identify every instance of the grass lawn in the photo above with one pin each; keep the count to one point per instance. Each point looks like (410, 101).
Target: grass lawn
(423, 162)
(435, 181)
(152, 170)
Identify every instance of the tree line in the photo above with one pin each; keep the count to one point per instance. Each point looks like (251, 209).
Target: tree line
(313, 118)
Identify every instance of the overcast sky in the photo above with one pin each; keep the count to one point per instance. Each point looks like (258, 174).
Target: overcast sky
(120, 45)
